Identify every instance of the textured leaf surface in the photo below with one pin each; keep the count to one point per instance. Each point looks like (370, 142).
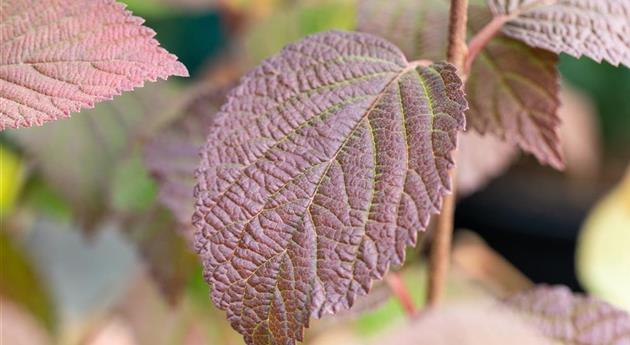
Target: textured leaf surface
(512, 88)
(59, 56)
(572, 319)
(599, 29)
(513, 93)
(319, 170)
(80, 156)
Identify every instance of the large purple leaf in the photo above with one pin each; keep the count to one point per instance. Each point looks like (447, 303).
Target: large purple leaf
(59, 56)
(319, 170)
(599, 29)
(572, 319)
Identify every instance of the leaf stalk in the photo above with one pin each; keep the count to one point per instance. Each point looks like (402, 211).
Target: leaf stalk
(439, 259)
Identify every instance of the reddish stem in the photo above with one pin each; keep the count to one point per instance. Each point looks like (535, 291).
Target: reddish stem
(457, 49)
(439, 259)
(481, 39)
(399, 289)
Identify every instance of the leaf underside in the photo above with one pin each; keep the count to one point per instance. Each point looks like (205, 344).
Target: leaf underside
(512, 88)
(599, 29)
(59, 56)
(513, 93)
(572, 319)
(317, 173)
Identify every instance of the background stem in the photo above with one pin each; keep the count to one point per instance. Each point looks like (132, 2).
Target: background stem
(441, 246)
(481, 39)
(399, 289)
(457, 50)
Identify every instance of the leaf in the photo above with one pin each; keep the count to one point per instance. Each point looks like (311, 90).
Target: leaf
(317, 173)
(599, 29)
(22, 284)
(602, 251)
(166, 255)
(132, 189)
(173, 155)
(572, 319)
(512, 88)
(418, 28)
(80, 156)
(12, 173)
(513, 93)
(59, 56)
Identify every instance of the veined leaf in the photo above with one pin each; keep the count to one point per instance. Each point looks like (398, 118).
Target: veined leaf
(319, 170)
(512, 88)
(59, 56)
(513, 93)
(572, 319)
(599, 29)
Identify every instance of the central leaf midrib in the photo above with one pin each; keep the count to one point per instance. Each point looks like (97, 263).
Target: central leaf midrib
(339, 149)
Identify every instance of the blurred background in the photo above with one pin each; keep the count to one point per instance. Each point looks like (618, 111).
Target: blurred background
(92, 254)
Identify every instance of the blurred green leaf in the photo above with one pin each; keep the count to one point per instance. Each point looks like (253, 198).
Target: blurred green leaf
(79, 156)
(44, 200)
(148, 8)
(21, 283)
(11, 178)
(267, 36)
(132, 187)
(165, 252)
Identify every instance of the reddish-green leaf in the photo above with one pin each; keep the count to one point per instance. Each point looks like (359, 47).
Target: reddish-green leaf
(572, 319)
(599, 29)
(317, 173)
(513, 93)
(59, 56)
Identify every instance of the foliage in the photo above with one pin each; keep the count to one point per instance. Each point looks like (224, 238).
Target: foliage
(79, 53)
(321, 165)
